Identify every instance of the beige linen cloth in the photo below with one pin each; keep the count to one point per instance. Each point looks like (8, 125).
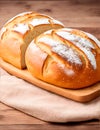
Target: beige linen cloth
(42, 104)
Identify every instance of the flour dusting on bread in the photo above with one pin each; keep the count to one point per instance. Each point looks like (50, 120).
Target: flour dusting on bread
(39, 21)
(85, 45)
(22, 28)
(62, 50)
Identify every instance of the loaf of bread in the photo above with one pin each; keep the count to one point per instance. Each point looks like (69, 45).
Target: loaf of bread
(67, 58)
(18, 32)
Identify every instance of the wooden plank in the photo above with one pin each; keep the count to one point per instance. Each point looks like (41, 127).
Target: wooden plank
(51, 126)
(71, 13)
(10, 116)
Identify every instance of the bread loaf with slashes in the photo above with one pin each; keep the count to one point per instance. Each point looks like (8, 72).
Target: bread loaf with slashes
(19, 31)
(67, 58)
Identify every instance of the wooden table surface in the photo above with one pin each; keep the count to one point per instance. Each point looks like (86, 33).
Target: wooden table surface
(80, 14)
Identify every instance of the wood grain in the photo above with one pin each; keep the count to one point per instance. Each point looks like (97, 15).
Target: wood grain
(73, 13)
(81, 14)
(9, 116)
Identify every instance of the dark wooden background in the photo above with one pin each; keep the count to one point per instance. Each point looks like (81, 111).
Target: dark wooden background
(80, 14)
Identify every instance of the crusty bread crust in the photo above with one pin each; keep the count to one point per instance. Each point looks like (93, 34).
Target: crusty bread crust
(18, 32)
(64, 57)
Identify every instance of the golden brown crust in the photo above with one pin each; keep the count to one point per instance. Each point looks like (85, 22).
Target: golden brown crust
(18, 32)
(66, 58)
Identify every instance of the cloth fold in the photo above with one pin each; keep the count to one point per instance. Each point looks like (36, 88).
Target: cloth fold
(42, 104)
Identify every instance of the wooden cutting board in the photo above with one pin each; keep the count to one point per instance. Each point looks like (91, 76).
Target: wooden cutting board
(80, 95)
